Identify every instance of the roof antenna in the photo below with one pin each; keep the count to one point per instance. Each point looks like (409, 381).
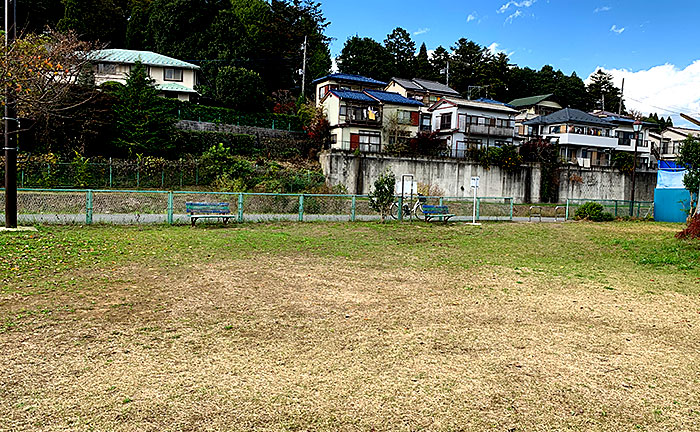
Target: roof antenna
(622, 94)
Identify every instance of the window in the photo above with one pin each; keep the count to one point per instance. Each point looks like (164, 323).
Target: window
(370, 141)
(426, 122)
(343, 110)
(107, 68)
(446, 121)
(403, 116)
(170, 74)
(334, 138)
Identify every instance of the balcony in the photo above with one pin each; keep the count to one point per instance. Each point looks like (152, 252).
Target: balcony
(585, 140)
(478, 129)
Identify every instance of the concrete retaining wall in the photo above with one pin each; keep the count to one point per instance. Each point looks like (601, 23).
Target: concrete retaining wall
(227, 128)
(452, 177)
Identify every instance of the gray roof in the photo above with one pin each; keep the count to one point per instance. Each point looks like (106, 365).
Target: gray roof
(529, 101)
(435, 86)
(423, 85)
(568, 115)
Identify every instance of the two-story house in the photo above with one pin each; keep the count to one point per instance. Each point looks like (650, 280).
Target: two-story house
(344, 82)
(173, 78)
(624, 132)
(369, 120)
(467, 124)
(426, 91)
(588, 140)
(670, 140)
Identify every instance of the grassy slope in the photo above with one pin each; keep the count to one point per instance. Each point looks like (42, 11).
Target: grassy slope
(357, 326)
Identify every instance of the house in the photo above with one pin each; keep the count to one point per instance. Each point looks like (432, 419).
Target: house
(531, 107)
(344, 82)
(467, 124)
(426, 91)
(588, 140)
(174, 78)
(670, 140)
(369, 120)
(422, 90)
(624, 132)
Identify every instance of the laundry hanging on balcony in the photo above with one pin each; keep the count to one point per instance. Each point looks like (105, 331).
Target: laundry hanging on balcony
(371, 113)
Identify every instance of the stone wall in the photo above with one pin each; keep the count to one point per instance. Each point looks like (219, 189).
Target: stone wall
(247, 130)
(452, 177)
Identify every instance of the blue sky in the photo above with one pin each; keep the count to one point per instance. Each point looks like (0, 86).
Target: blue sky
(644, 41)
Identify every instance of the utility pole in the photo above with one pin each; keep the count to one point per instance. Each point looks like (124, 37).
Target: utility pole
(10, 119)
(622, 94)
(303, 72)
(637, 127)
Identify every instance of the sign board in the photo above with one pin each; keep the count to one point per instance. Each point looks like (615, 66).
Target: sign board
(475, 182)
(409, 187)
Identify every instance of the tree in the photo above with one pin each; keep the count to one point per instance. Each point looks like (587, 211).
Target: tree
(96, 20)
(381, 197)
(137, 37)
(44, 69)
(439, 61)
(424, 69)
(143, 119)
(403, 50)
(469, 66)
(689, 156)
(365, 56)
(34, 16)
(601, 88)
(240, 89)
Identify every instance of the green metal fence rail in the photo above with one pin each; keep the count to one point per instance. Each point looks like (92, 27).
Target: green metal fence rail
(88, 206)
(618, 208)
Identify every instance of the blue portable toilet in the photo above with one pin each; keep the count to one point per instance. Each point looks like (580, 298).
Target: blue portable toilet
(671, 198)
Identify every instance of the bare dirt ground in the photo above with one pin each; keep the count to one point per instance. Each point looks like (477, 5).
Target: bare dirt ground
(298, 342)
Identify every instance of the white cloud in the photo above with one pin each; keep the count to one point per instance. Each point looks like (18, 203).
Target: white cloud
(421, 31)
(602, 9)
(616, 29)
(665, 89)
(472, 16)
(516, 4)
(514, 15)
(495, 50)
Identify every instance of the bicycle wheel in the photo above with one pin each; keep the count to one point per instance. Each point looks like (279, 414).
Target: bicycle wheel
(394, 210)
(418, 213)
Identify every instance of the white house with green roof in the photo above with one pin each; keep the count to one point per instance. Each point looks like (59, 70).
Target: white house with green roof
(174, 78)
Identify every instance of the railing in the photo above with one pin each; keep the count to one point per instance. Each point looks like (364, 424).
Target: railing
(487, 130)
(618, 208)
(80, 206)
(363, 147)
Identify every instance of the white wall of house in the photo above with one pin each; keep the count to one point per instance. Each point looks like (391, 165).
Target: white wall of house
(118, 72)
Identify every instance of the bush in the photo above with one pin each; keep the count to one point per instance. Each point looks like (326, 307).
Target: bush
(594, 212)
(382, 196)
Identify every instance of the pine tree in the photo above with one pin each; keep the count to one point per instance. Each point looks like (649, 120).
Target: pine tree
(143, 119)
(439, 61)
(403, 50)
(602, 88)
(424, 69)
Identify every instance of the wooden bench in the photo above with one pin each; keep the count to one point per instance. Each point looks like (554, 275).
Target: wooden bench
(208, 210)
(436, 212)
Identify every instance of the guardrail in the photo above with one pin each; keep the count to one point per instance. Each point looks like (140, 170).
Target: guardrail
(88, 206)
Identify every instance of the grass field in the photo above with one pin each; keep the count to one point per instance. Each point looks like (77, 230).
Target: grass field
(323, 326)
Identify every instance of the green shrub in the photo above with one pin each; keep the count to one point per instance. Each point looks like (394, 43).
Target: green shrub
(594, 212)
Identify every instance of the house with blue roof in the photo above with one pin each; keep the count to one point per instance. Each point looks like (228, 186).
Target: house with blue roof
(370, 119)
(174, 78)
(341, 81)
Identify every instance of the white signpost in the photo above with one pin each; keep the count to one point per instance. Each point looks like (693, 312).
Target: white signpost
(475, 186)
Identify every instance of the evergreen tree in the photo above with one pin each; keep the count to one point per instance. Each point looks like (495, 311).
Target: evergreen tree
(33, 16)
(96, 20)
(143, 120)
(470, 66)
(136, 37)
(240, 89)
(403, 50)
(367, 57)
(601, 87)
(439, 61)
(424, 69)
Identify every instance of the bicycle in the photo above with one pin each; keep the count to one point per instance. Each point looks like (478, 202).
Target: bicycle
(416, 210)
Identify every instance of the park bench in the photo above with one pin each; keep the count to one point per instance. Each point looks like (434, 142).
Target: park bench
(436, 212)
(208, 210)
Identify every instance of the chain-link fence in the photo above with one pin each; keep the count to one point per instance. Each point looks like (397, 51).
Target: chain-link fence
(618, 208)
(64, 206)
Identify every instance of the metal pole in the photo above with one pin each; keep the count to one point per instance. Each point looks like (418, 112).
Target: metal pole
(303, 72)
(170, 207)
(353, 209)
(301, 208)
(10, 126)
(474, 208)
(240, 207)
(634, 174)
